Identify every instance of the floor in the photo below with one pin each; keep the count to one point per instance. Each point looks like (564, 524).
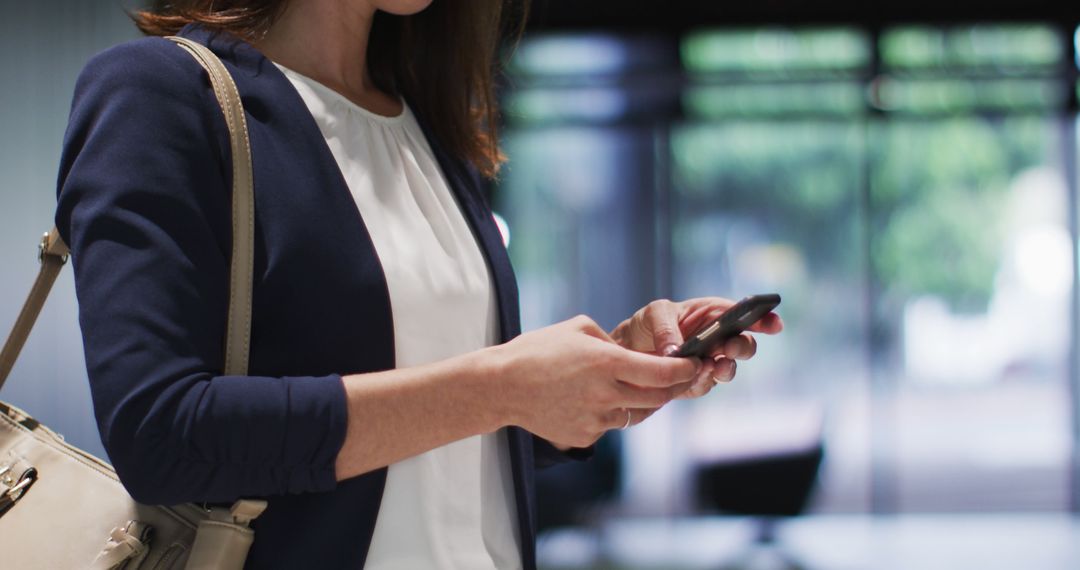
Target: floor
(823, 542)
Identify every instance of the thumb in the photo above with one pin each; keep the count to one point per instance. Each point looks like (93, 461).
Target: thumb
(662, 318)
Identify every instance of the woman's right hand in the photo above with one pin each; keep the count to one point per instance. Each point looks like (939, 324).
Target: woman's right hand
(570, 382)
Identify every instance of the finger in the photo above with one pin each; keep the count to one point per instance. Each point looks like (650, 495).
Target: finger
(631, 396)
(701, 312)
(638, 415)
(661, 319)
(724, 371)
(678, 389)
(705, 374)
(740, 347)
(771, 323)
(588, 326)
(702, 384)
(619, 418)
(699, 389)
(652, 371)
(624, 418)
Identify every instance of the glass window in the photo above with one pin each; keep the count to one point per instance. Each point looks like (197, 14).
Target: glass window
(998, 46)
(973, 255)
(776, 207)
(775, 50)
(915, 224)
(942, 95)
(589, 79)
(774, 100)
(579, 204)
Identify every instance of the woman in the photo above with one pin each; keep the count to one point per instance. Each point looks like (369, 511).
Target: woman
(392, 416)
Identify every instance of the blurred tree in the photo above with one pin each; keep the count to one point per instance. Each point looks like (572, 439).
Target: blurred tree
(937, 191)
(800, 177)
(937, 199)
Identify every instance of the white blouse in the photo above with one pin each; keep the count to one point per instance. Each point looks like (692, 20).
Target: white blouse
(452, 507)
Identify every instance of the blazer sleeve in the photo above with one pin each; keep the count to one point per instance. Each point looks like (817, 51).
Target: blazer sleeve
(144, 204)
(547, 455)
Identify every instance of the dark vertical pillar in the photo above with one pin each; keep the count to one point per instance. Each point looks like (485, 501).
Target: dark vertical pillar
(1067, 121)
(883, 462)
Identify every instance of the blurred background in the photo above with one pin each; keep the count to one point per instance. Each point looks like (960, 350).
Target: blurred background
(903, 174)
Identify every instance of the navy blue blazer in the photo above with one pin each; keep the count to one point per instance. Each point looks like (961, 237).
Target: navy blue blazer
(144, 198)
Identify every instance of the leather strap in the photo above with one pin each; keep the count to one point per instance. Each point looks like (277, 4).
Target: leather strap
(242, 263)
(130, 542)
(244, 511)
(53, 252)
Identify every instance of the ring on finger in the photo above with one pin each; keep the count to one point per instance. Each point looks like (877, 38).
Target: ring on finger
(629, 418)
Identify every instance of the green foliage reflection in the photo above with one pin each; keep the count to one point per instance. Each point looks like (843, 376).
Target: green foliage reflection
(915, 47)
(938, 192)
(801, 179)
(775, 49)
(936, 201)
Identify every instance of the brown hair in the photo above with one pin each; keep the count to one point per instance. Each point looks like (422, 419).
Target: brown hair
(442, 60)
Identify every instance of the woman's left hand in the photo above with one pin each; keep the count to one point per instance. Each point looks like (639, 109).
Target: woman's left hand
(660, 327)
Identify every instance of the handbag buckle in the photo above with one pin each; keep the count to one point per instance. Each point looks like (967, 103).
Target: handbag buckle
(22, 484)
(43, 250)
(12, 494)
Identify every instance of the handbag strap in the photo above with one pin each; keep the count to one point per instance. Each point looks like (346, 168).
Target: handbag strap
(53, 252)
(242, 262)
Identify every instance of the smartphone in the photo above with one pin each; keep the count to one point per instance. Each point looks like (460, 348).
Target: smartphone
(730, 323)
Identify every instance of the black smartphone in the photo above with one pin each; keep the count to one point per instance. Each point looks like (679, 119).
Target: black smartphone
(736, 319)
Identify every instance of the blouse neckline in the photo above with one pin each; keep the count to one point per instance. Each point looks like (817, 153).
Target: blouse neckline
(349, 104)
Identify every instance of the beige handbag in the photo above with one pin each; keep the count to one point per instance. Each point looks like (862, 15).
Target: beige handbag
(61, 507)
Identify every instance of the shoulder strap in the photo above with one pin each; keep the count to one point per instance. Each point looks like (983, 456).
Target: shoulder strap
(242, 263)
(53, 252)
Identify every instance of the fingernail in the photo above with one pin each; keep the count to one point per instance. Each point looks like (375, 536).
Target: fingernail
(731, 372)
(670, 349)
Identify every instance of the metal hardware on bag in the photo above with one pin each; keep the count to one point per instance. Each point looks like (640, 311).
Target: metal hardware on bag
(126, 547)
(9, 497)
(19, 487)
(43, 250)
(7, 477)
(14, 481)
(16, 416)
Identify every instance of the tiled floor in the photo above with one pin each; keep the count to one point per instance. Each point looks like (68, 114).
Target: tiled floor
(827, 542)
